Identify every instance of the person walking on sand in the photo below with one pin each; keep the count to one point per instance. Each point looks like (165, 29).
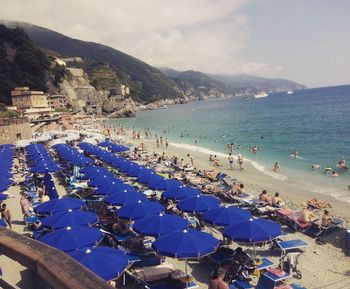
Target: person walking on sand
(276, 167)
(157, 141)
(218, 280)
(166, 143)
(191, 159)
(6, 214)
(230, 148)
(230, 160)
(240, 162)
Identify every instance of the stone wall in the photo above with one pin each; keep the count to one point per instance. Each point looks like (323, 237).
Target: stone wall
(12, 130)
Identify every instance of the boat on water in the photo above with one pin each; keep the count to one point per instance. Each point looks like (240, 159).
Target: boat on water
(261, 95)
(290, 92)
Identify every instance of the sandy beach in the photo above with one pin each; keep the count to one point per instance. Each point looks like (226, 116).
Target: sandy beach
(323, 266)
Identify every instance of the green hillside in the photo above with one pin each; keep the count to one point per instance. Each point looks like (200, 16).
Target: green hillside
(146, 82)
(21, 63)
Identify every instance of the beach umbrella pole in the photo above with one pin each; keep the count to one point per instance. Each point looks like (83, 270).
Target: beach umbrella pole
(186, 273)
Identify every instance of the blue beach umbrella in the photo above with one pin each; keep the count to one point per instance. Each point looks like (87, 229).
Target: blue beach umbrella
(173, 184)
(3, 188)
(134, 170)
(199, 204)
(3, 197)
(224, 216)
(139, 210)
(114, 189)
(59, 205)
(159, 225)
(70, 218)
(110, 186)
(106, 262)
(125, 166)
(184, 244)
(180, 193)
(100, 180)
(157, 182)
(124, 198)
(253, 231)
(73, 238)
(144, 176)
(5, 181)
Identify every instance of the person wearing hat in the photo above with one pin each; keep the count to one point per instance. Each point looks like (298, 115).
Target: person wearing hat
(218, 280)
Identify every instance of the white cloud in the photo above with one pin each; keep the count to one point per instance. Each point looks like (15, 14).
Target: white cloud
(259, 68)
(197, 34)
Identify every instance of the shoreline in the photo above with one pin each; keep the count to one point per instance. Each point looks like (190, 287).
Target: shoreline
(254, 180)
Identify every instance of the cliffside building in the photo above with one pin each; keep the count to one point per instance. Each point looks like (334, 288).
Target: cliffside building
(57, 101)
(23, 98)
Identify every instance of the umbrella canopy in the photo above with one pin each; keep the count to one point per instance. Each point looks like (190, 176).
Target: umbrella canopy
(113, 189)
(134, 170)
(158, 225)
(199, 204)
(144, 176)
(185, 244)
(106, 262)
(173, 184)
(157, 182)
(70, 218)
(3, 197)
(224, 216)
(140, 210)
(180, 193)
(73, 238)
(253, 231)
(59, 205)
(125, 198)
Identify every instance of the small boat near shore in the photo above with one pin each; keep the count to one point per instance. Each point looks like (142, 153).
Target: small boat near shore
(290, 92)
(261, 95)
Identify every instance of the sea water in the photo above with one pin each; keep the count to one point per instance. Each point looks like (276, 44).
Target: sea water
(313, 122)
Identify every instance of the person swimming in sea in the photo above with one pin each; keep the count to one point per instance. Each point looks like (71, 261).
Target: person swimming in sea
(315, 166)
(342, 165)
(334, 174)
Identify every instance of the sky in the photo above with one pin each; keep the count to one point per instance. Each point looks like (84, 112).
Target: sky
(307, 41)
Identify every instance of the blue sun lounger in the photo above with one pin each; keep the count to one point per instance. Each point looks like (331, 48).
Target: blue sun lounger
(269, 280)
(292, 245)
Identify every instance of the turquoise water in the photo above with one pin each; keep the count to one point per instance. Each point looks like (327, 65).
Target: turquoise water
(314, 122)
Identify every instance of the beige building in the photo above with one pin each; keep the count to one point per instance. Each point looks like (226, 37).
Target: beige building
(14, 129)
(23, 98)
(57, 101)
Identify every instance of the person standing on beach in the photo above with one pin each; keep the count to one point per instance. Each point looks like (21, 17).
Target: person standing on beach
(161, 141)
(276, 167)
(191, 159)
(230, 160)
(240, 162)
(166, 143)
(6, 214)
(157, 141)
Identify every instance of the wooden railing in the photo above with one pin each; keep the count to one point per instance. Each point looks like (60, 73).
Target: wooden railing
(15, 120)
(55, 267)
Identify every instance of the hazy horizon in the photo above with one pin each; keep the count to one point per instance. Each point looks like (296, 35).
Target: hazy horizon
(303, 41)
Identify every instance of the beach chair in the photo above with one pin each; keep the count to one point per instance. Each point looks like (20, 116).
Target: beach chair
(291, 245)
(296, 222)
(317, 229)
(222, 255)
(269, 280)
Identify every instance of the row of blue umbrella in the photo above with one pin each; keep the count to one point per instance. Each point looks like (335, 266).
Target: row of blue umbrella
(40, 160)
(6, 157)
(113, 147)
(149, 219)
(71, 155)
(190, 200)
(74, 234)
